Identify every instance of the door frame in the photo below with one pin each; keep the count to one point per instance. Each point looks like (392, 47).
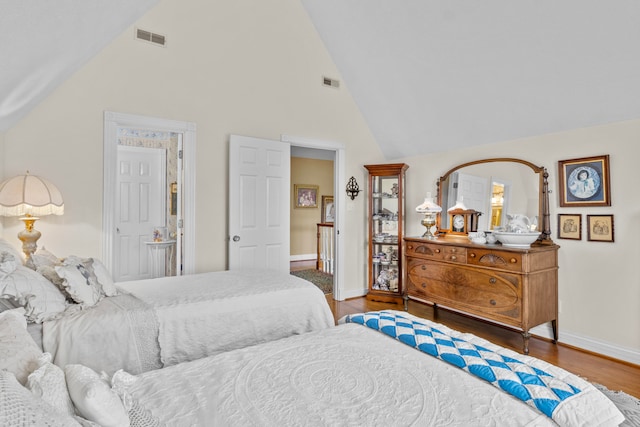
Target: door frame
(338, 199)
(113, 121)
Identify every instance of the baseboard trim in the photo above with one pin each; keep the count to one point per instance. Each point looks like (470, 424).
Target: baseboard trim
(355, 293)
(303, 257)
(590, 344)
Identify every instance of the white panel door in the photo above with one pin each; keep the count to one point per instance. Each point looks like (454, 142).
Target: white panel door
(140, 208)
(259, 193)
(476, 193)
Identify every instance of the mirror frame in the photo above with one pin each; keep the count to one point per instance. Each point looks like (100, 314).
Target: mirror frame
(543, 195)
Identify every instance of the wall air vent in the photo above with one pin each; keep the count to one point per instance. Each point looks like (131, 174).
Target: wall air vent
(150, 37)
(330, 82)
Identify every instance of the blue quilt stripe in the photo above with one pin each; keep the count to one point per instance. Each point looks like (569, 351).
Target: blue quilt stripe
(529, 384)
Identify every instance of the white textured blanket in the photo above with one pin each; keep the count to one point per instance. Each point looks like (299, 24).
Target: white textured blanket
(343, 376)
(119, 332)
(210, 313)
(197, 315)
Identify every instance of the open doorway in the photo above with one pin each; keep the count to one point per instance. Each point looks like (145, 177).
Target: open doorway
(177, 223)
(334, 152)
(311, 220)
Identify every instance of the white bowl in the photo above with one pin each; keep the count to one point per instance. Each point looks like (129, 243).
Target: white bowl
(516, 240)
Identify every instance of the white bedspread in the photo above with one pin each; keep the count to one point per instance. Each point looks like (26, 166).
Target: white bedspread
(197, 315)
(344, 376)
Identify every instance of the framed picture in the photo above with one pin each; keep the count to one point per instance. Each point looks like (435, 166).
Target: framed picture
(570, 226)
(328, 209)
(584, 182)
(306, 196)
(600, 228)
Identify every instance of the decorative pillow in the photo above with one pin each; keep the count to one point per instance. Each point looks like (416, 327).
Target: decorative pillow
(8, 304)
(21, 408)
(48, 383)
(93, 397)
(43, 257)
(19, 353)
(49, 273)
(6, 247)
(104, 278)
(79, 281)
(8, 263)
(41, 299)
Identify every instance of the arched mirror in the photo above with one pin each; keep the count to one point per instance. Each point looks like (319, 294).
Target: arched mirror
(497, 187)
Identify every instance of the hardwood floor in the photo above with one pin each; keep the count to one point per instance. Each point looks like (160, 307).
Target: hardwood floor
(613, 374)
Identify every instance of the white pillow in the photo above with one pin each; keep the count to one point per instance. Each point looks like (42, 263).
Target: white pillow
(41, 298)
(8, 263)
(6, 247)
(93, 397)
(19, 353)
(21, 408)
(104, 278)
(43, 257)
(48, 383)
(80, 281)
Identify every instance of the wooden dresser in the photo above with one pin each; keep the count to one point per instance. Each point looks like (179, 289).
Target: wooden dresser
(508, 286)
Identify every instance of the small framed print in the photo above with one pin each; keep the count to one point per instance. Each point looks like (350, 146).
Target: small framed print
(570, 226)
(584, 182)
(306, 196)
(328, 209)
(600, 228)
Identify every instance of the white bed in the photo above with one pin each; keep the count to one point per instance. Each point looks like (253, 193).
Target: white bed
(349, 375)
(160, 322)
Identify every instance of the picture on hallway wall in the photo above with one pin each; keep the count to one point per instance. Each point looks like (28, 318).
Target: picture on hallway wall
(306, 196)
(328, 209)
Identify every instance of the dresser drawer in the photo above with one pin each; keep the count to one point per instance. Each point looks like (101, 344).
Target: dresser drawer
(493, 294)
(437, 252)
(505, 260)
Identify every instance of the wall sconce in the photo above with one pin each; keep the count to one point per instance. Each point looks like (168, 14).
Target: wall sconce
(352, 188)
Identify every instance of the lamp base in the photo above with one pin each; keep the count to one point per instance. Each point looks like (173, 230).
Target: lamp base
(429, 222)
(29, 236)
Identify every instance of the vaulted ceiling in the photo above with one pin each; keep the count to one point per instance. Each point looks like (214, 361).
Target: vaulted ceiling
(427, 75)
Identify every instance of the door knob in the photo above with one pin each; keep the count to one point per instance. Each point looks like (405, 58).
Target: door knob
(236, 238)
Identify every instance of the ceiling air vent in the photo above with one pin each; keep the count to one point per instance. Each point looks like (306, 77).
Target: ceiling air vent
(150, 37)
(330, 82)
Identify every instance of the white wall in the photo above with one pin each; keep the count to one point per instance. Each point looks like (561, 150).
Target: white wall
(244, 67)
(599, 283)
(254, 68)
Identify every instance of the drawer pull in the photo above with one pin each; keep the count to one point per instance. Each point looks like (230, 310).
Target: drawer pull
(492, 280)
(513, 261)
(437, 251)
(424, 267)
(472, 255)
(453, 250)
(424, 285)
(410, 247)
(493, 302)
(453, 257)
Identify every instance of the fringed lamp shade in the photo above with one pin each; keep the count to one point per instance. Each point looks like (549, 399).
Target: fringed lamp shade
(29, 197)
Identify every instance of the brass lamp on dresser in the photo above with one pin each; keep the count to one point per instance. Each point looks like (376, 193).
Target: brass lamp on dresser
(515, 287)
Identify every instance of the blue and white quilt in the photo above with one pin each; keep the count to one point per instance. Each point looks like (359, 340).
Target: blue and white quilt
(551, 390)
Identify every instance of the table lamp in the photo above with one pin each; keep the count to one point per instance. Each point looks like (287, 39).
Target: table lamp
(29, 197)
(430, 210)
